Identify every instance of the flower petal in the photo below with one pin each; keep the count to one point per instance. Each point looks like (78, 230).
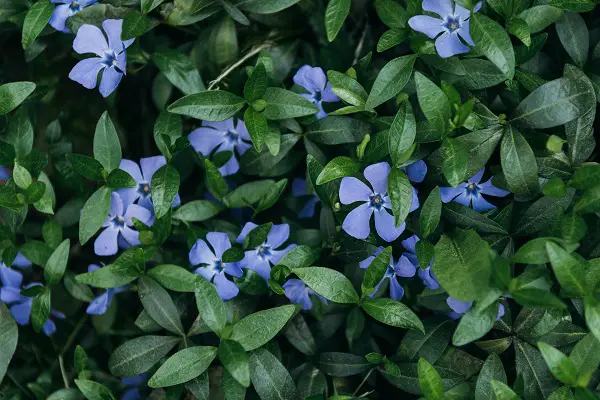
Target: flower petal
(427, 25)
(150, 165)
(489, 189)
(396, 290)
(205, 140)
(245, 231)
(377, 175)
(465, 34)
(440, 7)
(231, 167)
(233, 269)
(328, 96)
(477, 177)
(385, 226)
(278, 235)
(428, 278)
(416, 171)
(414, 204)
(90, 39)
(219, 242)
(299, 187)
(132, 237)
(106, 242)
(405, 268)
(449, 193)
(22, 311)
(113, 28)
(276, 255)
(135, 211)
(356, 223)
(59, 18)
(227, 290)
(110, 80)
(49, 327)
(311, 78)
(481, 204)
(410, 244)
(9, 277)
(458, 306)
(258, 265)
(133, 169)
(205, 272)
(448, 44)
(353, 190)
(116, 205)
(99, 305)
(201, 253)
(297, 292)
(85, 72)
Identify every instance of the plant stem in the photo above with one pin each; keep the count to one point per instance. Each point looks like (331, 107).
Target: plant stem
(363, 382)
(239, 62)
(61, 363)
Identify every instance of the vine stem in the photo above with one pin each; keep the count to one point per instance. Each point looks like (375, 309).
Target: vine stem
(61, 363)
(239, 62)
(363, 382)
(72, 336)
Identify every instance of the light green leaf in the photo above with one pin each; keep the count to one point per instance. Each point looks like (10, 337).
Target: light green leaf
(393, 313)
(329, 283)
(402, 133)
(347, 88)
(94, 213)
(14, 93)
(560, 365)
(401, 195)
(433, 102)
(210, 105)
(338, 168)
(256, 85)
(210, 306)
(94, 390)
(9, 336)
(180, 71)
(107, 148)
(35, 20)
(569, 270)
(493, 41)
(335, 15)
(455, 161)
(235, 360)
(283, 104)
(430, 381)
(391, 80)
(57, 263)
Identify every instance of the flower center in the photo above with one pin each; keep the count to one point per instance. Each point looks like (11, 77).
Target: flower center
(110, 58)
(376, 201)
(452, 23)
(144, 189)
(472, 188)
(317, 96)
(218, 266)
(232, 136)
(118, 222)
(75, 7)
(263, 251)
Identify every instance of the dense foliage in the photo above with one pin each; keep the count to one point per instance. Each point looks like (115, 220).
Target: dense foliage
(299, 199)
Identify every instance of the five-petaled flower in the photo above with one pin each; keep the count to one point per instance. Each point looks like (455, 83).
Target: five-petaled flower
(404, 268)
(222, 136)
(112, 57)
(266, 254)
(299, 189)
(459, 308)
(100, 304)
(426, 274)
(66, 9)
(453, 22)
(313, 79)
(118, 233)
(471, 192)
(20, 306)
(213, 268)
(375, 201)
(298, 292)
(143, 178)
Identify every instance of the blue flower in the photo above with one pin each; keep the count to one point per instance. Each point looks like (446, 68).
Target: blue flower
(404, 268)
(453, 22)
(21, 261)
(459, 308)
(299, 190)
(132, 385)
(297, 292)
(375, 201)
(263, 256)
(142, 192)
(118, 232)
(222, 136)
(471, 193)
(214, 269)
(426, 275)
(66, 9)
(100, 304)
(4, 174)
(20, 306)
(313, 79)
(112, 57)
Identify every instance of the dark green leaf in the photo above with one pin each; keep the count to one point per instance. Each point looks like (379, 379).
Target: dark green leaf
(14, 93)
(519, 165)
(335, 15)
(493, 41)
(391, 80)
(331, 284)
(283, 104)
(94, 213)
(138, 355)
(36, 19)
(183, 366)
(235, 361)
(165, 185)
(57, 263)
(393, 313)
(210, 105)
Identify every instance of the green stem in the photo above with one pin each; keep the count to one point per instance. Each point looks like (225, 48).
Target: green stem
(239, 62)
(363, 382)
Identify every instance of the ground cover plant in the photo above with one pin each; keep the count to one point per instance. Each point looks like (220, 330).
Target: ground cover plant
(299, 199)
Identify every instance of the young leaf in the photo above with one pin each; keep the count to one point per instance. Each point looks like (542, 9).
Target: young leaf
(107, 149)
(94, 390)
(283, 104)
(40, 310)
(256, 85)
(338, 168)
(434, 103)
(401, 195)
(57, 263)
(402, 132)
(376, 271)
(257, 126)
(165, 185)
(560, 365)
(430, 381)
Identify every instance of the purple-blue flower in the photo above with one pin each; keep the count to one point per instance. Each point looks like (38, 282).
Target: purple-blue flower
(142, 192)
(404, 268)
(21, 261)
(213, 268)
(222, 136)
(426, 275)
(453, 22)
(313, 79)
(471, 192)
(20, 306)
(299, 190)
(263, 256)
(375, 201)
(459, 308)
(112, 57)
(4, 174)
(100, 304)
(66, 9)
(132, 386)
(118, 232)
(297, 292)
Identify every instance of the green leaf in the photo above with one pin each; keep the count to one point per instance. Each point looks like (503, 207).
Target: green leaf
(107, 149)
(20, 133)
(587, 176)
(210, 105)
(35, 20)
(503, 391)
(347, 88)
(215, 180)
(257, 329)
(343, 364)
(338, 130)
(266, 7)
(493, 41)
(402, 133)
(492, 370)
(338, 168)
(235, 360)
(88, 167)
(138, 355)
(393, 313)
(165, 185)
(574, 36)
(57, 263)
(119, 179)
(270, 378)
(173, 277)
(257, 236)
(271, 196)
(401, 193)
(210, 306)
(183, 366)
(80, 359)
(530, 364)
(234, 12)
(149, 5)
(299, 257)
(113, 275)
(430, 381)
(21, 176)
(467, 218)
(537, 298)
(434, 103)
(200, 389)
(167, 126)
(430, 213)
(257, 126)
(135, 25)
(256, 85)
(94, 390)
(569, 270)
(429, 345)
(475, 323)
(455, 161)
(391, 80)
(376, 271)
(586, 358)
(519, 165)
(197, 211)
(14, 93)
(40, 310)
(159, 305)
(391, 38)
(391, 13)
(9, 336)
(560, 365)
(94, 213)
(331, 284)
(589, 202)
(540, 17)
(520, 29)
(180, 71)
(335, 15)
(283, 104)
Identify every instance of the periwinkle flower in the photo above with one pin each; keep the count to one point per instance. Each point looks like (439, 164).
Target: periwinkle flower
(375, 201)
(453, 22)
(426, 274)
(4, 174)
(20, 306)
(142, 192)
(213, 268)
(21, 261)
(66, 9)
(299, 293)
(313, 79)
(100, 304)
(118, 232)
(132, 385)
(299, 190)
(404, 268)
(266, 254)
(459, 308)
(112, 58)
(471, 192)
(222, 136)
